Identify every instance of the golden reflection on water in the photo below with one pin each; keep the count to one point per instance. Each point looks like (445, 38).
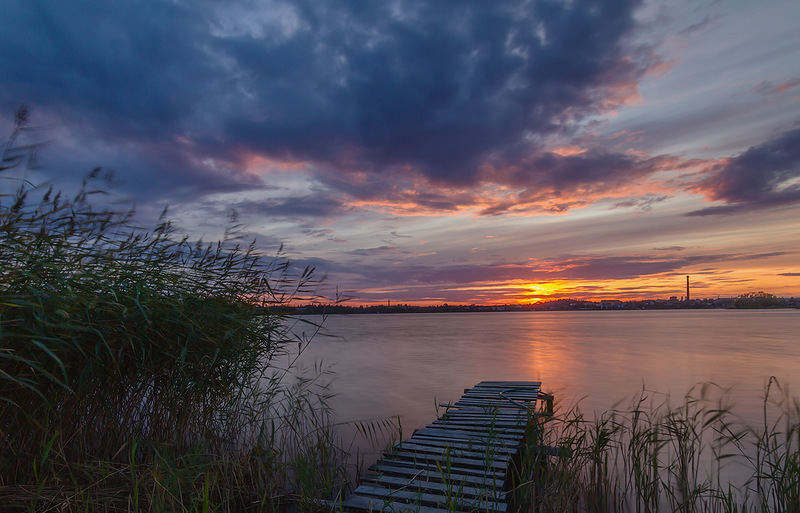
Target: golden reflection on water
(403, 364)
(610, 356)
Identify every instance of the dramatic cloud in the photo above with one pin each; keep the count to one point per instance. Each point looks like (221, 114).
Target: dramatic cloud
(764, 176)
(319, 205)
(643, 204)
(433, 89)
(451, 149)
(565, 267)
(543, 182)
(557, 182)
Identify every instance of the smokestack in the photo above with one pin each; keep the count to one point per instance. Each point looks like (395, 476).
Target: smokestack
(687, 289)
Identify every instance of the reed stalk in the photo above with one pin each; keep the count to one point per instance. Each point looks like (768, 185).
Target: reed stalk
(653, 455)
(138, 369)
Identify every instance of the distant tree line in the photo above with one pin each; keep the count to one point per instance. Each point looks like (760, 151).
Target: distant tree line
(759, 299)
(749, 300)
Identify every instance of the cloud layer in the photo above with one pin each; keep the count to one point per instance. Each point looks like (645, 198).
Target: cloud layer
(368, 135)
(764, 176)
(379, 101)
(437, 92)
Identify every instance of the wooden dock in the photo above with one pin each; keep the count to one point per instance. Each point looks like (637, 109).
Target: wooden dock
(460, 462)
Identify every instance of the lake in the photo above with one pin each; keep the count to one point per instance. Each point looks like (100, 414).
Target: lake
(404, 364)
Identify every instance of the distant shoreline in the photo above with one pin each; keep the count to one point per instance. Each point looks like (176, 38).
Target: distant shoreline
(547, 306)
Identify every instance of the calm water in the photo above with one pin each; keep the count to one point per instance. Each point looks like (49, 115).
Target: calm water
(403, 364)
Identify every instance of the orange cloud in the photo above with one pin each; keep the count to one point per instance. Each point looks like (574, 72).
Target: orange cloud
(568, 150)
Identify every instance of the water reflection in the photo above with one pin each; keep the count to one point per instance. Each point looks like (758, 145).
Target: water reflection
(403, 364)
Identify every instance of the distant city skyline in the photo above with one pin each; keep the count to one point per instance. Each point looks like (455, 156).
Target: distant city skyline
(428, 152)
(599, 297)
(671, 303)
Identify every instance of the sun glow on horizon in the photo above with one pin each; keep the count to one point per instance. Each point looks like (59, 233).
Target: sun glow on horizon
(704, 284)
(543, 291)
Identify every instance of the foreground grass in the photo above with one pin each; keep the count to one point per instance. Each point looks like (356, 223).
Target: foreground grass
(137, 369)
(298, 464)
(656, 455)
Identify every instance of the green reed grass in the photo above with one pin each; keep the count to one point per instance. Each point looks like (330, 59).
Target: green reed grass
(138, 369)
(654, 455)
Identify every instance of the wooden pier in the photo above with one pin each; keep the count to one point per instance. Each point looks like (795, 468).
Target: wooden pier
(460, 462)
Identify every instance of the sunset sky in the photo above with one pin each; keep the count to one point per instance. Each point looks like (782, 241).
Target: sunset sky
(438, 151)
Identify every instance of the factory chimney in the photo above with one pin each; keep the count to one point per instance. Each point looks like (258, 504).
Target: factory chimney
(687, 290)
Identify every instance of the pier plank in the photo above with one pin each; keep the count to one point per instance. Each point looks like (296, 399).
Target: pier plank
(484, 422)
(428, 499)
(362, 503)
(489, 409)
(482, 473)
(471, 492)
(492, 480)
(451, 460)
(471, 445)
(489, 427)
(421, 447)
(496, 438)
(459, 462)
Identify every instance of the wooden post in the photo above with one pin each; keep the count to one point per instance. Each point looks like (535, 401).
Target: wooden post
(548, 403)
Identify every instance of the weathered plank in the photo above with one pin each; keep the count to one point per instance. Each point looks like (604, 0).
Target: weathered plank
(449, 488)
(486, 393)
(459, 462)
(480, 426)
(445, 460)
(429, 499)
(509, 384)
(495, 438)
(493, 402)
(421, 447)
(519, 418)
(482, 473)
(386, 467)
(506, 427)
(362, 503)
(490, 409)
(471, 445)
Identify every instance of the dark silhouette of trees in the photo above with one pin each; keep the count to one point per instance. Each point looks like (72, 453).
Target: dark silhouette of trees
(758, 299)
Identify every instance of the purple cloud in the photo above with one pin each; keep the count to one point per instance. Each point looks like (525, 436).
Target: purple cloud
(310, 205)
(565, 267)
(762, 177)
(176, 94)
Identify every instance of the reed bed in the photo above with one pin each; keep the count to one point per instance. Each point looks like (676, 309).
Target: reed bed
(138, 369)
(653, 455)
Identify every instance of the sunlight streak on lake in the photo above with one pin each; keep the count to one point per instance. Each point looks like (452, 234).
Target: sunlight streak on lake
(404, 364)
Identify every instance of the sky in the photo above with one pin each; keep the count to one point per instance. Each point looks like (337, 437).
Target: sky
(462, 152)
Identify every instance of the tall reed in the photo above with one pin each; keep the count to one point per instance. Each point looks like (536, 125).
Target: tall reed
(654, 455)
(137, 368)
